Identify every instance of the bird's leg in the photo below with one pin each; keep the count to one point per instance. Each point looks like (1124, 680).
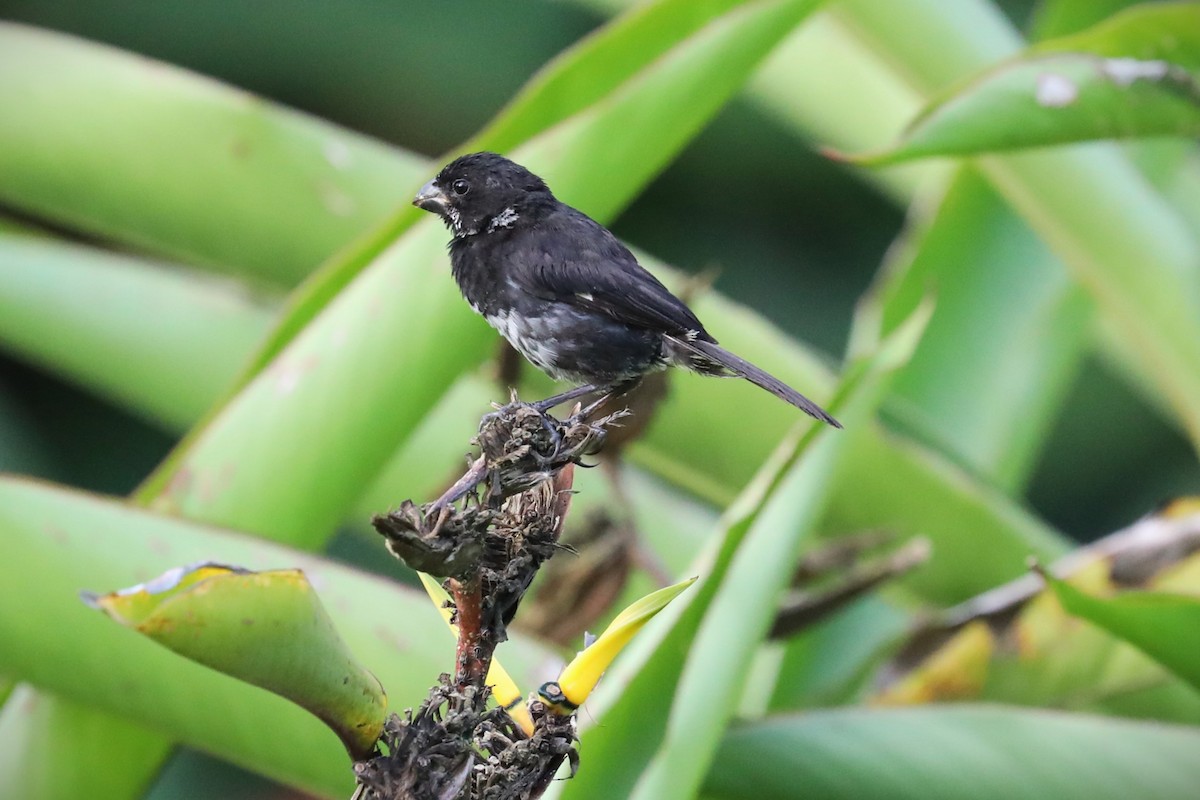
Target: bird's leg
(617, 389)
(605, 390)
(543, 406)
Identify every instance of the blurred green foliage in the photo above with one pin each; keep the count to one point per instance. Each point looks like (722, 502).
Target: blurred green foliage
(817, 231)
(1048, 398)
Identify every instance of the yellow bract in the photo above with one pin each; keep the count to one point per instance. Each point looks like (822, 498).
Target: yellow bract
(583, 673)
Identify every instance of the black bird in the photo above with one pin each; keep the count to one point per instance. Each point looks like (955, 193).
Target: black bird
(565, 292)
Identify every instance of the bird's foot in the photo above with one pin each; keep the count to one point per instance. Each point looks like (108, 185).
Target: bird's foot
(507, 414)
(501, 411)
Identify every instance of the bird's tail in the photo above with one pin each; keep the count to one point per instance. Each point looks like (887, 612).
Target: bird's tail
(699, 352)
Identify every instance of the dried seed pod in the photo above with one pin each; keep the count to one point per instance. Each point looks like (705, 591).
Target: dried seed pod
(522, 446)
(451, 545)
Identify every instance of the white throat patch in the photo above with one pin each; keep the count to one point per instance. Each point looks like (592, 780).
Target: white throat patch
(504, 219)
(455, 218)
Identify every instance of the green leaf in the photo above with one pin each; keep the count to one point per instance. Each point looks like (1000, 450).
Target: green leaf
(1135, 74)
(953, 752)
(1161, 31)
(154, 351)
(1061, 17)
(160, 342)
(1004, 343)
(266, 628)
(829, 663)
(585, 73)
(744, 607)
(32, 729)
(1118, 238)
(125, 147)
(57, 542)
(1052, 100)
(1161, 624)
(332, 407)
(341, 396)
(672, 702)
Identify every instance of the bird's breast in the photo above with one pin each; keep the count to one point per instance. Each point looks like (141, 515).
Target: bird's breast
(577, 345)
(538, 337)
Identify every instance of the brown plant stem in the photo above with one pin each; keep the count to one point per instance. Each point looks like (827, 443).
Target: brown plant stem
(477, 639)
(473, 654)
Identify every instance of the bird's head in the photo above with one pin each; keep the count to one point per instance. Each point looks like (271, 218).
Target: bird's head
(481, 193)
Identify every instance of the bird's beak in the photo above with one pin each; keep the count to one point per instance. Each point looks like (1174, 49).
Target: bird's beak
(432, 198)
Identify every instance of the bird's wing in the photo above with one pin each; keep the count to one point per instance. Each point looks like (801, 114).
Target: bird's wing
(577, 261)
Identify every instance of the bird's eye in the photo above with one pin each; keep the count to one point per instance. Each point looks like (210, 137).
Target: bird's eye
(460, 186)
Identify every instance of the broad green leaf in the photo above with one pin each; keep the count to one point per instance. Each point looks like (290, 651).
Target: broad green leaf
(332, 407)
(980, 537)
(680, 690)
(829, 663)
(1157, 37)
(863, 110)
(698, 75)
(896, 470)
(1161, 624)
(125, 147)
(1004, 343)
(952, 752)
(1161, 31)
(1053, 99)
(344, 393)
(744, 607)
(58, 542)
(1054, 18)
(160, 342)
(1118, 238)
(880, 489)
(33, 726)
(267, 628)
(587, 72)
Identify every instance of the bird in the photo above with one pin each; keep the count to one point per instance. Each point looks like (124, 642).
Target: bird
(565, 292)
